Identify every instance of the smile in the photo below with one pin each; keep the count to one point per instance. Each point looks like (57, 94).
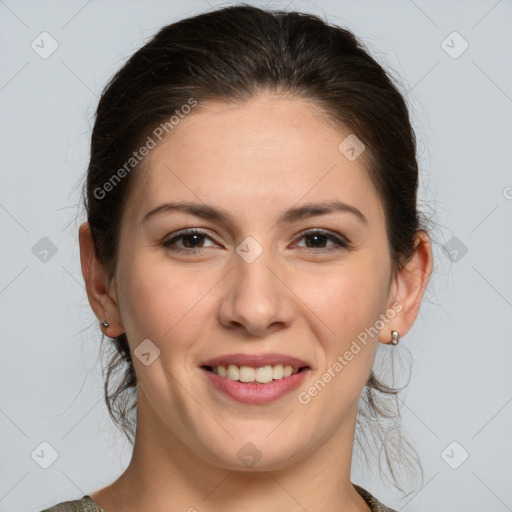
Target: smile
(262, 375)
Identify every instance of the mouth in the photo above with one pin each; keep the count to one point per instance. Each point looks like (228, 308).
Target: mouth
(257, 375)
(240, 383)
(255, 379)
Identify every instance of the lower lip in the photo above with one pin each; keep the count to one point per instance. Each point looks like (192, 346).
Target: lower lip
(255, 393)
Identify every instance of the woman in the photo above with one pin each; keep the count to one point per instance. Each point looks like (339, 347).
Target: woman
(252, 237)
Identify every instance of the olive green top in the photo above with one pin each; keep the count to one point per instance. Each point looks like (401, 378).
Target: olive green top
(86, 504)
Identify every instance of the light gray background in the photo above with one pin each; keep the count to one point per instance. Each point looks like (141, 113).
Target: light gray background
(50, 375)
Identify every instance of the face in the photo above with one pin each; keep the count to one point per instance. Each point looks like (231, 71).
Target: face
(255, 287)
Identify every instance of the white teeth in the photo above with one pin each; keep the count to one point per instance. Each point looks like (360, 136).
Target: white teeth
(247, 374)
(278, 371)
(233, 372)
(262, 375)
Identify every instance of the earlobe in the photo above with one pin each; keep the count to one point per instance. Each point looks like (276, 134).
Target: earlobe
(408, 288)
(102, 300)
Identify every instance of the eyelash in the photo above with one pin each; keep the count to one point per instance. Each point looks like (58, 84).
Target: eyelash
(341, 242)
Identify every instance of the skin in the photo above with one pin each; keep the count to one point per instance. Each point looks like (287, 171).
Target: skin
(254, 160)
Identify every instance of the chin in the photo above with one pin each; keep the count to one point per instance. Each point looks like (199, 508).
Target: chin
(252, 456)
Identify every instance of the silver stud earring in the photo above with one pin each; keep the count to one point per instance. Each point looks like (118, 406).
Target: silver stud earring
(105, 324)
(394, 338)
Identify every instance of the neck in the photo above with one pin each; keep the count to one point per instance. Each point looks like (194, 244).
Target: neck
(165, 475)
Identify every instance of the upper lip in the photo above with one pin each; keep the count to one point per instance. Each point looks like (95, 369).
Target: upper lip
(255, 360)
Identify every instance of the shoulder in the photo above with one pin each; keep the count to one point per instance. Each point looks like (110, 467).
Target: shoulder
(374, 504)
(85, 504)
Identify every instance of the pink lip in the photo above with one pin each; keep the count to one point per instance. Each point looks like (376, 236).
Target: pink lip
(255, 360)
(253, 392)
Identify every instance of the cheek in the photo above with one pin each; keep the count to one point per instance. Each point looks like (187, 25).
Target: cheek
(343, 306)
(164, 307)
(350, 306)
(347, 298)
(154, 301)
(169, 305)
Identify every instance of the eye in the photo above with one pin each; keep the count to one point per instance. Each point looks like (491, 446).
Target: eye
(192, 236)
(318, 238)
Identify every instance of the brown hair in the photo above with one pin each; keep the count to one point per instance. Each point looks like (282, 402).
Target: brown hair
(232, 54)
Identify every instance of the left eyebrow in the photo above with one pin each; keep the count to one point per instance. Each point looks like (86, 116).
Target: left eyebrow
(323, 208)
(291, 215)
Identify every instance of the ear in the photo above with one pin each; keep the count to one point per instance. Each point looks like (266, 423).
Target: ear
(102, 300)
(408, 287)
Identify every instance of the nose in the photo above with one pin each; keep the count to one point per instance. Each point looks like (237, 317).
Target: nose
(256, 299)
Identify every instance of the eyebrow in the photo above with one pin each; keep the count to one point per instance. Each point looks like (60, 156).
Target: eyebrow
(291, 215)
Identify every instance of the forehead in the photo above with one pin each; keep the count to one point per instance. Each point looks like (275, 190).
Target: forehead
(269, 152)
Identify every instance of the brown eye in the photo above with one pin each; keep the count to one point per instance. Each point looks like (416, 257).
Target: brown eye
(318, 238)
(191, 239)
